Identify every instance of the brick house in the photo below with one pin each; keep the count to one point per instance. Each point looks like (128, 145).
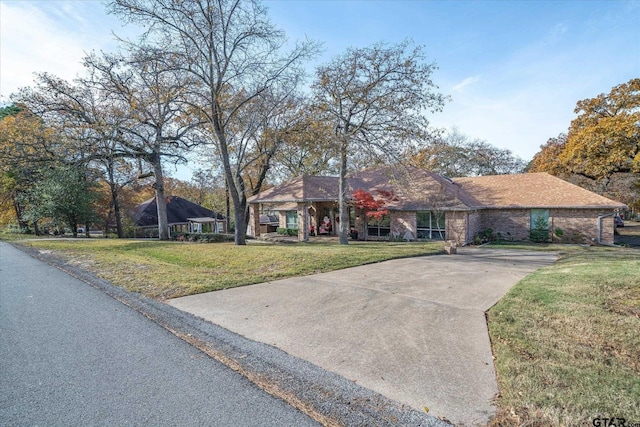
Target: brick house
(535, 206)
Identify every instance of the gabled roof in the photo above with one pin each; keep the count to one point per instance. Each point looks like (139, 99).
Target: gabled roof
(178, 210)
(532, 190)
(414, 189)
(417, 189)
(301, 189)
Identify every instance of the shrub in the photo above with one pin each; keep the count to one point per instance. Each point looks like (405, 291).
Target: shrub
(540, 231)
(484, 236)
(287, 231)
(202, 237)
(558, 233)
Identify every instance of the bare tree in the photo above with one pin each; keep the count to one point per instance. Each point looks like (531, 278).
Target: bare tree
(85, 128)
(377, 97)
(149, 90)
(456, 154)
(232, 52)
(308, 146)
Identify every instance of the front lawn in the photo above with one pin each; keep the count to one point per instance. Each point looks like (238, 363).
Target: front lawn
(567, 341)
(171, 269)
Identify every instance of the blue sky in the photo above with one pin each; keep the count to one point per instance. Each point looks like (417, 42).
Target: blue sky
(514, 69)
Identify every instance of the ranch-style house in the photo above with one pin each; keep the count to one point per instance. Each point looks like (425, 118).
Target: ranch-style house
(425, 205)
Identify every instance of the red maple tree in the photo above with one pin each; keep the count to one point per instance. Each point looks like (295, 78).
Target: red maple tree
(373, 207)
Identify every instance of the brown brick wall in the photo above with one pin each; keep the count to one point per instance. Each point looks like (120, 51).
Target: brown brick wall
(511, 224)
(456, 226)
(580, 225)
(473, 225)
(577, 225)
(607, 230)
(303, 221)
(254, 219)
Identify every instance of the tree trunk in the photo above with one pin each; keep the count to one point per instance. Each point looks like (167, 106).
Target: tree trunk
(105, 226)
(263, 168)
(16, 206)
(240, 217)
(227, 214)
(118, 216)
(163, 224)
(239, 211)
(235, 188)
(343, 227)
(115, 200)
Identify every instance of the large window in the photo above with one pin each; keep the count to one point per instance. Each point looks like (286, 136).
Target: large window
(539, 231)
(430, 225)
(292, 220)
(379, 228)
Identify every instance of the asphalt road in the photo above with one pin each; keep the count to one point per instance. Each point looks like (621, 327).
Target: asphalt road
(72, 355)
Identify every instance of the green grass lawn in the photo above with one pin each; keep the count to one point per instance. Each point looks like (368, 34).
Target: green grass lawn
(171, 269)
(567, 341)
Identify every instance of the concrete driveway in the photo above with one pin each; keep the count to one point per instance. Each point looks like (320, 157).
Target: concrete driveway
(411, 329)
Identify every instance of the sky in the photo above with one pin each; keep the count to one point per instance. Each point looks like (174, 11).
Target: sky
(514, 70)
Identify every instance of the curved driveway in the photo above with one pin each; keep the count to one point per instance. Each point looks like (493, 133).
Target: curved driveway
(411, 329)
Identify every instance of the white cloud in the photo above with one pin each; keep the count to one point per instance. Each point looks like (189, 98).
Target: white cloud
(50, 37)
(32, 42)
(466, 82)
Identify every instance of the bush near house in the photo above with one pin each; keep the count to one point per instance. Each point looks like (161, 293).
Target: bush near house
(287, 231)
(202, 237)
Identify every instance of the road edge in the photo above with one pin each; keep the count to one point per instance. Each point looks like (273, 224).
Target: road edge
(329, 398)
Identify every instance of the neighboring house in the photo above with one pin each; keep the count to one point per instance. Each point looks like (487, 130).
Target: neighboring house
(426, 205)
(182, 216)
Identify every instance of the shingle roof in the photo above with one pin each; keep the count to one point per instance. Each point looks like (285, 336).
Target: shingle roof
(417, 189)
(302, 188)
(178, 210)
(531, 190)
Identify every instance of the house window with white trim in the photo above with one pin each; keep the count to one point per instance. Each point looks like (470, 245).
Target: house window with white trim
(292, 220)
(430, 225)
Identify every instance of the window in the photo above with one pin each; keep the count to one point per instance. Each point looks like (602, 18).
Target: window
(430, 225)
(381, 228)
(539, 225)
(292, 220)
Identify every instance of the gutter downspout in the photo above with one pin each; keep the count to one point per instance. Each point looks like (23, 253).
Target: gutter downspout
(600, 217)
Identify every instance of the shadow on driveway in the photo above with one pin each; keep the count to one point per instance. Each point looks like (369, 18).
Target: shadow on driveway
(412, 329)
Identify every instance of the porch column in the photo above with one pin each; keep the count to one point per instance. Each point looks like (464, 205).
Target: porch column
(361, 224)
(254, 219)
(303, 222)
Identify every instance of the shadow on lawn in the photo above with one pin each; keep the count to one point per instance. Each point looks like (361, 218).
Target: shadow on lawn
(629, 235)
